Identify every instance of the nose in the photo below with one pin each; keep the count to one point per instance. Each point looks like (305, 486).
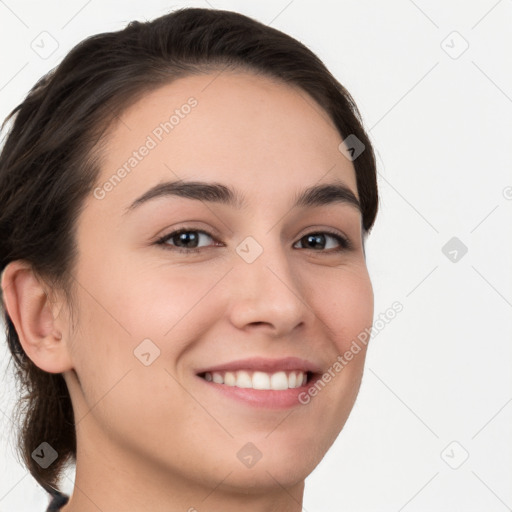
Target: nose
(267, 295)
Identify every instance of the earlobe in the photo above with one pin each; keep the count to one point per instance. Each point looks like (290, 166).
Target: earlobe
(32, 313)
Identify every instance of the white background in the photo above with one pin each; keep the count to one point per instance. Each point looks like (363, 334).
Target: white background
(441, 370)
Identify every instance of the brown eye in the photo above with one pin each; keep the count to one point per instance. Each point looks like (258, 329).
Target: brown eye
(319, 241)
(184, 240)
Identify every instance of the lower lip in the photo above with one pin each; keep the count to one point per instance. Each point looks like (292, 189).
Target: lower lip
(266, 398)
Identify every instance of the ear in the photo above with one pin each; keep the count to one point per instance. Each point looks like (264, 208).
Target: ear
(37, 320)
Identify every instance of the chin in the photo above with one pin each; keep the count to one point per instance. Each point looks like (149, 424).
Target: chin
(279, 466)
(263, 478)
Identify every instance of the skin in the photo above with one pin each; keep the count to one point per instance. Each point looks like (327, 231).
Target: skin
(155, 437)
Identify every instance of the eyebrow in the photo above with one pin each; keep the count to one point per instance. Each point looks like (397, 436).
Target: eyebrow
(316, 195)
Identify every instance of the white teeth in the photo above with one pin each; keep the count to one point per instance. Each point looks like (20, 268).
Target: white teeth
(243, 380)
(279, 381)
(230, 379)
(218, 378)
(259, 380)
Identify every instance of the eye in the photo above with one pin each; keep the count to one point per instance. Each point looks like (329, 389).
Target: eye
(319, 241)
(184, 240)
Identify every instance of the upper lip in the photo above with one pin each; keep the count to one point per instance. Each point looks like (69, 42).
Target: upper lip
(264, 364)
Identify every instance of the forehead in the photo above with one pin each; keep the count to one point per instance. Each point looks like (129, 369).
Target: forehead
(261, 136)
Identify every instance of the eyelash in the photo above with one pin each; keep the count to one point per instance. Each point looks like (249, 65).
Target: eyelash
(345, 244)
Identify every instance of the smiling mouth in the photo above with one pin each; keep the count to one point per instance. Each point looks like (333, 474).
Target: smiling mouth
(276, 381)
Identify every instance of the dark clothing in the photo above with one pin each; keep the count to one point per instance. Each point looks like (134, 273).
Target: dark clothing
(58, 500)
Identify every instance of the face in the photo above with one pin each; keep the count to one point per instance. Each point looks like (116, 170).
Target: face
(176, 330)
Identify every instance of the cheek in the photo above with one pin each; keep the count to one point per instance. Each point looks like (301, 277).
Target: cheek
(143, 297)
(159, 311)
(347, 306)
(346, 311)
(117, 387)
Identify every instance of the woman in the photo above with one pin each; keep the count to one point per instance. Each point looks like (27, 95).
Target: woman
(184, 206)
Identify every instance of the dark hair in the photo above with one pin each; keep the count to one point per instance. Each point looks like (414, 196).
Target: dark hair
(50, 162)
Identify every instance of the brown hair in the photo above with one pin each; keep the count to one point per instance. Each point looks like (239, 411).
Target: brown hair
(49, 163)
